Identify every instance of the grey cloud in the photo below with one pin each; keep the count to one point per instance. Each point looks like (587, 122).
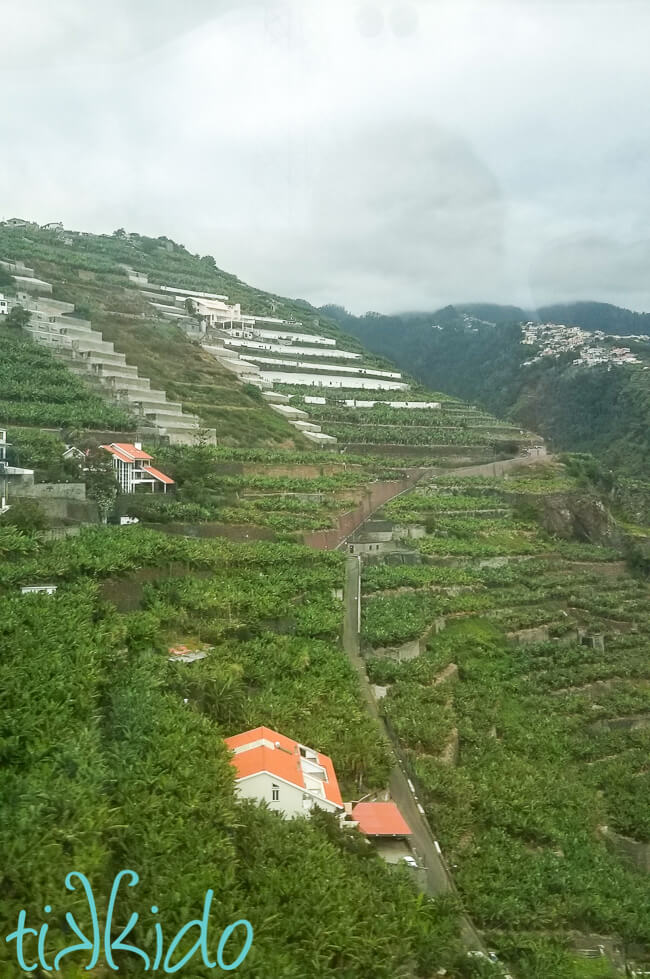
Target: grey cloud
(386, 155)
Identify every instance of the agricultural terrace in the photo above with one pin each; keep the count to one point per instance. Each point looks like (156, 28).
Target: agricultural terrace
(452, 423)
(284, 493)
(530, 753)
(37, 390)
(90, 697)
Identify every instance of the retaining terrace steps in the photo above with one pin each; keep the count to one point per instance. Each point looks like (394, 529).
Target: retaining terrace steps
(90, 356)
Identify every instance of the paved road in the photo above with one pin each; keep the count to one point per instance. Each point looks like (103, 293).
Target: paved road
(437, 879)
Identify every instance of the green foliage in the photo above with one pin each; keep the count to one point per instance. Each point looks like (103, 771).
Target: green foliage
(24, 515)
(131, 749)
(552, 735)
(37, 390)
(580, 409)
(17, 319)
(7, 281)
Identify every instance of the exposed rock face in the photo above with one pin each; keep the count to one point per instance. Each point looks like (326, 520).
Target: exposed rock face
(580, 516)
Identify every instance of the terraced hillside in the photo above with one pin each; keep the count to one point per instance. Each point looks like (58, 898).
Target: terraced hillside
(423, 426)
(137, 771)
(513, 668)
(217, 357)
(261, 492)
(36, 390)
(93, 273)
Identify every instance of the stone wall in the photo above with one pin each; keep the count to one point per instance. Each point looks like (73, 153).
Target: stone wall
(375, 496)
(60, 491)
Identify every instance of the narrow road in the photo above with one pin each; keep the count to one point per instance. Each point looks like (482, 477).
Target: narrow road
(438, 880)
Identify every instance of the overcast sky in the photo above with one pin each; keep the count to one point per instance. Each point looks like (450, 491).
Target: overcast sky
(383, 155)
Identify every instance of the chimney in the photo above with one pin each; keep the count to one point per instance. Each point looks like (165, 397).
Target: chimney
(138, 446)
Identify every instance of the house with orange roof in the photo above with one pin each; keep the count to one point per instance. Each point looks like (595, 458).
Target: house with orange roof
(290, 777)
(133, 469)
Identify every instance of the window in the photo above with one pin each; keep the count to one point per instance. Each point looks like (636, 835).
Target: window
(275, 793)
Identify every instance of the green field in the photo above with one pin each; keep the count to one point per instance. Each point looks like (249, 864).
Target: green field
(539, 741)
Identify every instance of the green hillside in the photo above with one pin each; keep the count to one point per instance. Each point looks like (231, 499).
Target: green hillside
(131, 749)
(37, 390)
(512, 730)
(530, 752)
(600, 409)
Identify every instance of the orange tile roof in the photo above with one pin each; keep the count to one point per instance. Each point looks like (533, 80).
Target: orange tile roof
(380, 819)
(116, 452)
(282, 761)
(127, 452)
(158, 475)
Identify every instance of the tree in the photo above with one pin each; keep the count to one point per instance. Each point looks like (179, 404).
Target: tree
(101, 485)
(120, 233)
(7, 281)
(18, 318)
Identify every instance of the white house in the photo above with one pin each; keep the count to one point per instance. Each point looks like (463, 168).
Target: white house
(17, 223)
(133, 468)
(4, 308)
(290, 777)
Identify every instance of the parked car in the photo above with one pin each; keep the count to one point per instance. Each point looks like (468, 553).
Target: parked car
(410, 862)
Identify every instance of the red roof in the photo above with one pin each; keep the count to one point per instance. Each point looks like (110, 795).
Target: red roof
(380, 819)
(280, 756)
(127, 452)
(158, 475)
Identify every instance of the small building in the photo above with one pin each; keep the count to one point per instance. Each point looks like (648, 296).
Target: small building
(4, 306)
(38, 590)
(384, 826)
(133, 469)
(72, 452)
(290, 777)
(182, 654)
(17, 223)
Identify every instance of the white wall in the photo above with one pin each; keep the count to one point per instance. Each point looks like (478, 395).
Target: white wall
(332, 381)
(282, 348)
(290, 803)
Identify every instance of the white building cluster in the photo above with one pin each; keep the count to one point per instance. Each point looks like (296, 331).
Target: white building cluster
(555, 339)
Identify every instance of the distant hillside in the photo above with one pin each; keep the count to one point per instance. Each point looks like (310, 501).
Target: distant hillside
(597, 316)
(595, 409)
(611, 320)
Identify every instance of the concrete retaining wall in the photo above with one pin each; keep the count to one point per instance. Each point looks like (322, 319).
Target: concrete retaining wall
(375, 496)
(60, 491)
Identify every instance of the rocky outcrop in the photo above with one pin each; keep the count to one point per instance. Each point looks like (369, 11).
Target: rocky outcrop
(577, 516)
